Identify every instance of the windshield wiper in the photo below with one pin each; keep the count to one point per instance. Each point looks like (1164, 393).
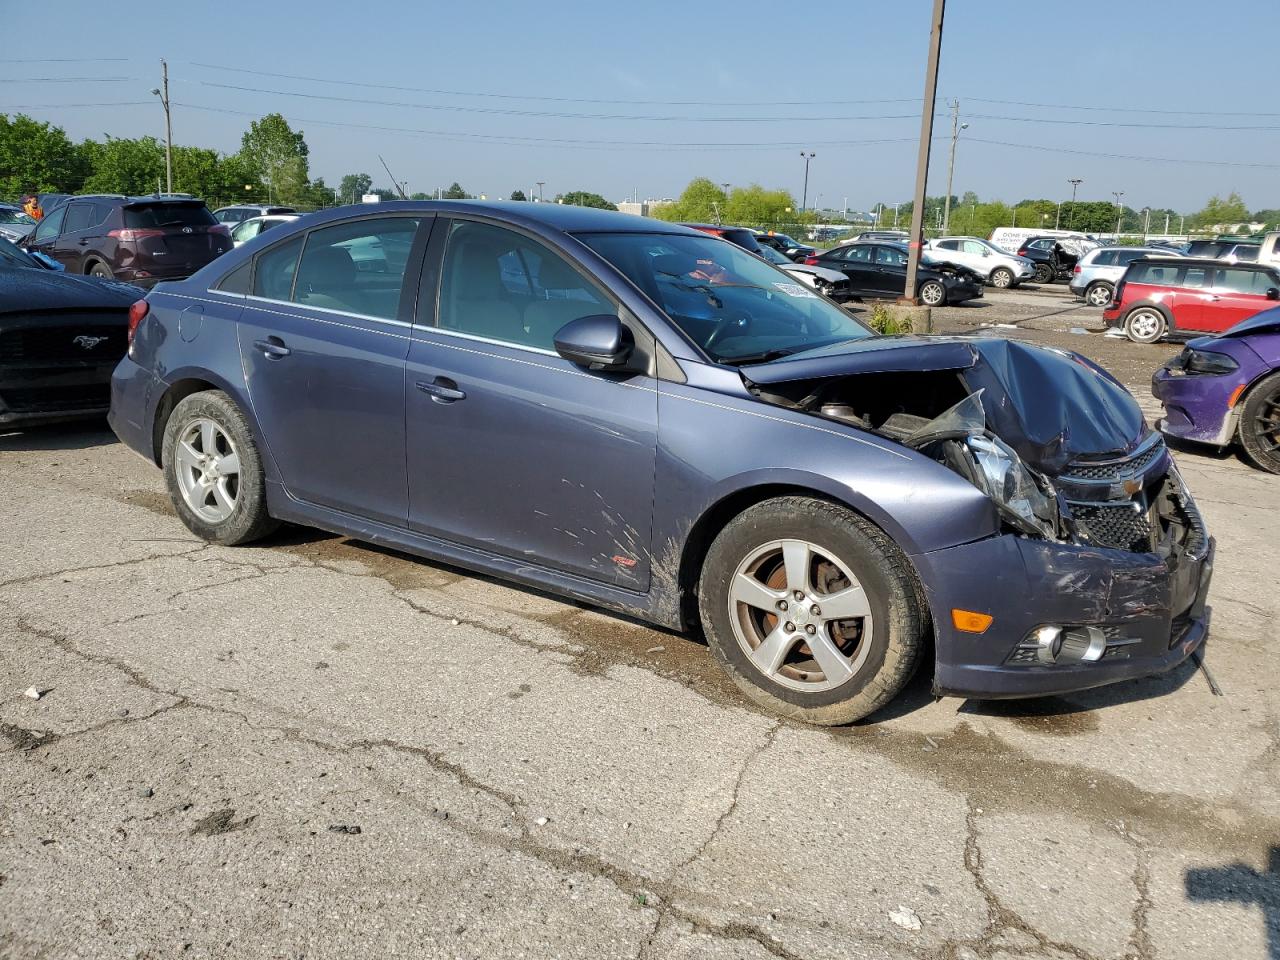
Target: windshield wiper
(683, 283)
(757, 357)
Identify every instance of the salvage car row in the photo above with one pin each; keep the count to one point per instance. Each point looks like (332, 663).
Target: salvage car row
(529, 391)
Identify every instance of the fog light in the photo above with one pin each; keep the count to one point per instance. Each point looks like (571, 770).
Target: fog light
(1051, 644)
(1082, 644)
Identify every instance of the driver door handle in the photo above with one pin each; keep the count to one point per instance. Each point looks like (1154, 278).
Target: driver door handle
(441, 390)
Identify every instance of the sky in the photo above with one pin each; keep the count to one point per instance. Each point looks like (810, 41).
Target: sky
(639, 98)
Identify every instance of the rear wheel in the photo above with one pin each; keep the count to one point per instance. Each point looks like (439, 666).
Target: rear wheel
(1044, 273)
(213, 470)
(933, 293)
(1259, 427)
(1002, 277)
(101, 270)
(811, 610)
(1145, 325)
(1098, 294)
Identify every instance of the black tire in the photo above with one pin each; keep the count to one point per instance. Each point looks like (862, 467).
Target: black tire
(1044, 273)
(933, 293)
(1259, 426)
(101, 270)
(1098, 294)
(900, 617)
(249, 520)
(1002, 278)
(1145, 324)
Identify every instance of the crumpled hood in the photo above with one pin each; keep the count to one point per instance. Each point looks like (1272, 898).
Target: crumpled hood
(24, 290)
(1049, 405)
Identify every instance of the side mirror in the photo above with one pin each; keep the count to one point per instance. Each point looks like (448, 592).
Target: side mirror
(1273, 293)
(598, 342)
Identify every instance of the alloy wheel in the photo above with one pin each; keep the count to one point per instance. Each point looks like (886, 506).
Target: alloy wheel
(1266, 426)
(932, 294)
(1099, 295)
(1002, 279)
(1145, 325)
(800, 615)
(207, 467)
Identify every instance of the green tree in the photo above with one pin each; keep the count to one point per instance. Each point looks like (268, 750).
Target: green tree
(278, 155)
(126, 166)
(1219, 211)
(419, 195)
(455, 192)
(583, 198)
(353, 186)
(518, 195)
(37, 158)
(701, 201)
(757, 207)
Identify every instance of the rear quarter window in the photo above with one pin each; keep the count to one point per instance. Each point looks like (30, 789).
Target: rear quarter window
(168, 215)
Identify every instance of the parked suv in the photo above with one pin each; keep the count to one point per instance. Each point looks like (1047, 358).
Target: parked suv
(1162, 295)
(244, 211)
(997, 267)
(1095, 276)
(741, 236)
(142, 240)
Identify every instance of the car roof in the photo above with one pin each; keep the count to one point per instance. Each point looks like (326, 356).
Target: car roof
(1200, 262)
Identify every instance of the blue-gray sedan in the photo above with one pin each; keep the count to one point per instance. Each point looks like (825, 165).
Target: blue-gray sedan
(652, 420)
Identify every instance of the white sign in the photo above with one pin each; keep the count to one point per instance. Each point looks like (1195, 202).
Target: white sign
(370, 198)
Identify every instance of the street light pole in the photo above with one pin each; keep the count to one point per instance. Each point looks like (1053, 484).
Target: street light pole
(1119, 210)
(804, 199)
(956, 127)
(914, 242)
(1071, 217)
(163, 93)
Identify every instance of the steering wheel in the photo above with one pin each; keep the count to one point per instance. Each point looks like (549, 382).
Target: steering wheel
(735, 318)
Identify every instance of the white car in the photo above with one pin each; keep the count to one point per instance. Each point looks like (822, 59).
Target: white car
(246, 230)
(829, 283)
(998, 267)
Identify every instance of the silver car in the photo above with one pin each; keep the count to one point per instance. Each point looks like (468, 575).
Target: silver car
(1098, 271)
(998, 267)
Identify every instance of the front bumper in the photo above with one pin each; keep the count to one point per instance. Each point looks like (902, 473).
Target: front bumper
(1155, 606)
(1196, 408)
(45, 393)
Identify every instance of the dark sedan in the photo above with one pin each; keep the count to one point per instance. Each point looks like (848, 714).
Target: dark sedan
(60, 338)
(643, 417)
(878, 269)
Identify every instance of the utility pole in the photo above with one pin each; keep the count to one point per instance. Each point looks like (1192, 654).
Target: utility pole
(1119, 210)
(956, 127)
(895, 216)
(1071, 217)
(163, 93)
(1146, 224)
(1057, 220)
(804, 200)
(540, 184)
(922, 160)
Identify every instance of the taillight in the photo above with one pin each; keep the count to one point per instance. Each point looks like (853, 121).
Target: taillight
(221, 228)
(136, 313)
(130, 234)
(1076, 269)
(811, 260)
(1117, 295)
(1022, 252)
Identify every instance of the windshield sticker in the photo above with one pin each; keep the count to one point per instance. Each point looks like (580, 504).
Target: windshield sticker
(795, 290)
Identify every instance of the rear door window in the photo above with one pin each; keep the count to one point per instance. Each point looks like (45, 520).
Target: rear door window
(79, 216)
(1106, 258)
(161, 215)
(890, 257)
(356, 267)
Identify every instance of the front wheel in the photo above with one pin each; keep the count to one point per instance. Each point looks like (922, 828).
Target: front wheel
(1259, 428)
(213, 470)
(1144, 325)
(933, 293)
(1098, 294)
(812, 611)
(101, 271)
(1002, 277)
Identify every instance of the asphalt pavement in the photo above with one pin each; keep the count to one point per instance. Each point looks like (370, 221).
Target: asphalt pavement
(316, 748)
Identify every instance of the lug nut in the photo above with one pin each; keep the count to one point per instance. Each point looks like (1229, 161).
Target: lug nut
(815, 610)
(782, 605)
(810, 629)
(789, 627)
(799, 595)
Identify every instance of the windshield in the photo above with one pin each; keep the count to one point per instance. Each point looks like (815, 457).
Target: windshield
(735, 307)
(14, 216)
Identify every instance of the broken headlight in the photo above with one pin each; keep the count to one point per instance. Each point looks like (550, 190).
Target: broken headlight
(1017, 494)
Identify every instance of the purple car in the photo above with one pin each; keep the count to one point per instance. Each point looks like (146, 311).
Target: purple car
(1227, 387)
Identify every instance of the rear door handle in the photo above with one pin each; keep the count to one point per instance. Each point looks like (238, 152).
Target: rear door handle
(83, 242)
(273, 348)
(441, 390)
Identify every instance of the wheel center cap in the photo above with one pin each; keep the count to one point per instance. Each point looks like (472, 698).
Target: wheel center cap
(800, 613)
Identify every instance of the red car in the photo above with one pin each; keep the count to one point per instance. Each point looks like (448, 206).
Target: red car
(1159, 296)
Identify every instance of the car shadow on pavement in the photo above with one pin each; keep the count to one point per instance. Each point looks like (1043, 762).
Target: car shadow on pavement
(66, 436)
(1231, 454)
(1243, 884)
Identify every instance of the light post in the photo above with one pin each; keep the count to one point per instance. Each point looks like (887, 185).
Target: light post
(1146, 223)
(1071, 217)
(956, 127)
(163, 93)
(895, 216)
(1119, 210)
(804, 199)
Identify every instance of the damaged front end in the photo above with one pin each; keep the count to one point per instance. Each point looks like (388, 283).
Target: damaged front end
(1104, 563)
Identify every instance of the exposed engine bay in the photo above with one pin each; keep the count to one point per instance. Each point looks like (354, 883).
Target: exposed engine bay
(1059, 447)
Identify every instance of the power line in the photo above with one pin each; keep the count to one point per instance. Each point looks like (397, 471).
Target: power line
(1068, 106)
(505, 111)
(345, 82)
(1125, 156)
(72, 60)
(66, 79)
(58, 106)
(1116, 123)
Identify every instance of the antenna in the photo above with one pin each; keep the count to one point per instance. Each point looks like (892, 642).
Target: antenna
(394, 182)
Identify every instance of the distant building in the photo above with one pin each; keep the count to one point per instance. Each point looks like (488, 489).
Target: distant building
(642, 208)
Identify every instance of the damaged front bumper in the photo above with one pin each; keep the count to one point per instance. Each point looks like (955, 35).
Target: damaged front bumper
(1150, 610)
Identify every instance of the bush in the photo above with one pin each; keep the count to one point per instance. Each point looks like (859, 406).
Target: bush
(886, 321)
